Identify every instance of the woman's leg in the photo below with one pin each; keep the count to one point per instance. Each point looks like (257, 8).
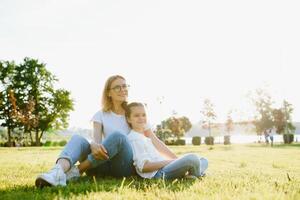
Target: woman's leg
(189, 163)
(120, 155)
(203, 165)
(77, 149)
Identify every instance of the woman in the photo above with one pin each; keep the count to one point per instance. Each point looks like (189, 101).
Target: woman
(110, 152)
(148, 161)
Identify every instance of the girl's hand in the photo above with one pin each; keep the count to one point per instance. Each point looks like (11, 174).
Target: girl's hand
(99, 152)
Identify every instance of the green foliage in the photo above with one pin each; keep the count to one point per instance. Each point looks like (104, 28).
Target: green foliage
(282, 119)
(227, 139)
(177, 126)
(47, 143)
(288, 138)
(37, 106)
(62, 143)
(180, 142)
(263, 104)
(7, 70)
(162, 133)
(209, 140)
(196, 140)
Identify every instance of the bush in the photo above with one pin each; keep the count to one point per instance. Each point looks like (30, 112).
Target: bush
(170, 142)
(62, 143)
(209, 140)
(54, 143)
(196, 140)
(227, 139)
(47, 143)
(288, 138)
(180, 142)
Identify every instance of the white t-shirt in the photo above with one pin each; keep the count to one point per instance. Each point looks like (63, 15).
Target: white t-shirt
(143, 150)
(111, 122)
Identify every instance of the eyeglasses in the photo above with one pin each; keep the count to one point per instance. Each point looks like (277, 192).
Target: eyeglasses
(118, 88)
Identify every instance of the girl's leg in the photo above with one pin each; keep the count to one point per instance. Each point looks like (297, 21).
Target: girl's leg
(177, 169)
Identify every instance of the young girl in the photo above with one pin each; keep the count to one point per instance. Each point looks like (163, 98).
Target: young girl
(148, 161)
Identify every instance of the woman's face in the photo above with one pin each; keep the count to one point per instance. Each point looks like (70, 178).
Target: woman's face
(118, 90)
(138, 118)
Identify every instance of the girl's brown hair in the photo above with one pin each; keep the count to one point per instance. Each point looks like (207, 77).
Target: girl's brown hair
(107, 103)
(128, 110)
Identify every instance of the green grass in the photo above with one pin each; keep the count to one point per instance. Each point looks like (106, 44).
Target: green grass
(235, 172)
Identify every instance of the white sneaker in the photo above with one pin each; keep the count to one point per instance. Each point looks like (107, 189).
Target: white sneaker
(54, 177)
(73, 173)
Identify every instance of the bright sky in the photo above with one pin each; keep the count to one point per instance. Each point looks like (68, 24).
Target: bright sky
(178, 51)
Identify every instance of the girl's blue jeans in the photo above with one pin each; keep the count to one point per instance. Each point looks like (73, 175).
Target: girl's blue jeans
(119, 164)
(188, 163)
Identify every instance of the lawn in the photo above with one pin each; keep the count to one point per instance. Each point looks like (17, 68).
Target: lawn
(235, 172)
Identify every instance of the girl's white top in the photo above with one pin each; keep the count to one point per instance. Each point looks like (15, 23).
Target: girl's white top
(111, 122)
(143, 150)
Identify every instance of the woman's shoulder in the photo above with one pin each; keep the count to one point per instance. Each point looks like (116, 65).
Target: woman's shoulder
(99, 115)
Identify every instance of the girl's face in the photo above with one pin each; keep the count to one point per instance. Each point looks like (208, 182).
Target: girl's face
(118, 90)
(138, 118)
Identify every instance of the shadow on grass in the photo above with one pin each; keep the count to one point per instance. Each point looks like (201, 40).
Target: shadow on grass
(87, 184)
(262, 145)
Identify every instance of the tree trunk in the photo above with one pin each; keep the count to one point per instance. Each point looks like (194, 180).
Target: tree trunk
(31, 139)
(37, 138)
(9, 143)
(41, 135)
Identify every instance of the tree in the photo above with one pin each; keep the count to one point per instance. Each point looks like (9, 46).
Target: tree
(178, 126)
(263, 105)
(209, 115)
(229, 123)
(38, 106)
(282, 119)
(7, 70)
(162, 133)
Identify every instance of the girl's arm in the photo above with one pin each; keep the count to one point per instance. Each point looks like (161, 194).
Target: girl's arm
(153, 166)
(98, 150)
(159, 145)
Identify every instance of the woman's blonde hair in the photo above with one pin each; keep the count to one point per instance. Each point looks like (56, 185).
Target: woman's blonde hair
(107, 103)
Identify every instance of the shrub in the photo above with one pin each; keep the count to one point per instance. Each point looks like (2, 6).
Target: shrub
(180, 142)
(47, 143)
(209, 140)
(54, 143)
(170, 142)
(62, 143)
(227, 139)
(196, 140)
(288, 138)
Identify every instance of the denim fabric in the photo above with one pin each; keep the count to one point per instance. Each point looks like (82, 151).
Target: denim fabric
(191, 163)
(120, 161)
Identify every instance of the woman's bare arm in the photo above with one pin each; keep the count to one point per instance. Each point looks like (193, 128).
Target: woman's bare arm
(98, 150)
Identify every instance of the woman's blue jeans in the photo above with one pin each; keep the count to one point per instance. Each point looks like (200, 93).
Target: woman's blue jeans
(191, 163)
(119, 164)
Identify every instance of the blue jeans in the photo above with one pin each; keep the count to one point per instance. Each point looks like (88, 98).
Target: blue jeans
(191, 163)
(119, 164)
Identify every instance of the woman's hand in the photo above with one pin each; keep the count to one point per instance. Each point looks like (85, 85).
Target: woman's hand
(98, 151)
